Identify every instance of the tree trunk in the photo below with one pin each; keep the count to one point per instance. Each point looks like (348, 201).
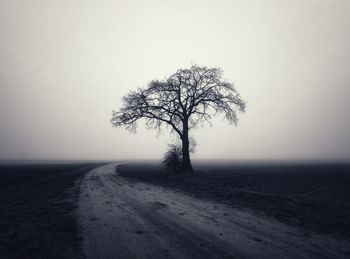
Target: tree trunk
(186, 160)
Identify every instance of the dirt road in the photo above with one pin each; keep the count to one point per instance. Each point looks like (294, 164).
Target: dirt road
(121, 219)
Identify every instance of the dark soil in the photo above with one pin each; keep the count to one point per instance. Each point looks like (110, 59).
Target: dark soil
(313, 197)
(37, 205)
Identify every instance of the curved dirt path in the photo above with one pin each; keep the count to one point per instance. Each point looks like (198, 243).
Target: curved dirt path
(121, 219)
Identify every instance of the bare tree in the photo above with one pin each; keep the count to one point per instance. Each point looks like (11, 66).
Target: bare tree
(188, 98)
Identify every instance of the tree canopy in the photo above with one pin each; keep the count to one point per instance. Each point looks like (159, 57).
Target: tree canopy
(188, 98)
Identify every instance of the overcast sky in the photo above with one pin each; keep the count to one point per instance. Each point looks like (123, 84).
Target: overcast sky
(64, 66)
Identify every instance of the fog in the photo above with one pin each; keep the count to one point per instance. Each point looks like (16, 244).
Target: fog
(64, 66)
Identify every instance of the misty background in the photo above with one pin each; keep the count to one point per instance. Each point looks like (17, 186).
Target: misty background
(64, 66)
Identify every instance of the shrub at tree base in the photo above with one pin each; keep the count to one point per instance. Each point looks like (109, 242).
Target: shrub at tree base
(173, 159)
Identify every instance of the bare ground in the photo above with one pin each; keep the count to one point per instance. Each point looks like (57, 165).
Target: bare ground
(124, 219)
(312, 196)
(37, 210)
